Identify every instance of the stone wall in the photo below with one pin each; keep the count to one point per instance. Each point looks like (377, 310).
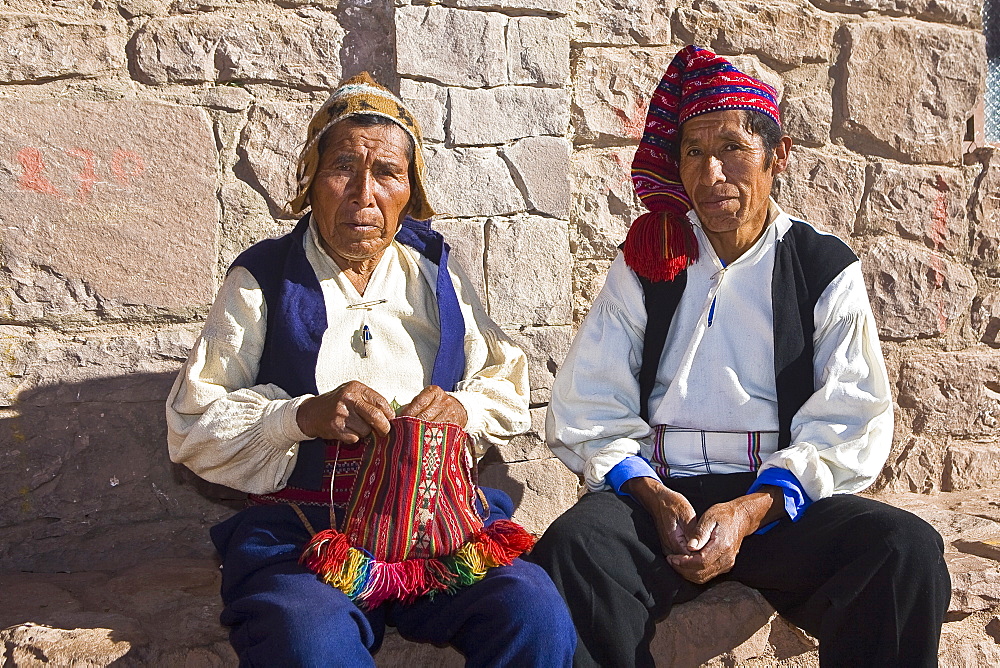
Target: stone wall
(147, 142)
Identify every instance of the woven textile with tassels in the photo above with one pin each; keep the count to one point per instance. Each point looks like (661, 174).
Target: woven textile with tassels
(411, 527)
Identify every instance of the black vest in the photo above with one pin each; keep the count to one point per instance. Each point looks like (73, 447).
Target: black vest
(805, 262)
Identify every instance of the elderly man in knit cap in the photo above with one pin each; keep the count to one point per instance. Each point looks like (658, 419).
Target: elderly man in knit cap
(725, 398)
(317, 342)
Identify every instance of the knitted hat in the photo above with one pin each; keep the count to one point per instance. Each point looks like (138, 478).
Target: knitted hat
(660, 244)
(361, 95)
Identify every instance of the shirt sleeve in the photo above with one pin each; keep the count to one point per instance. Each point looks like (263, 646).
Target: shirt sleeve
(495, 390)
(796, 499)
(842, 435)
(593, 420)
(628, 468)
(219, 423)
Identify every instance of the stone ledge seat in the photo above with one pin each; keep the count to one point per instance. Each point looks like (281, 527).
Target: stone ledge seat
(165, 613)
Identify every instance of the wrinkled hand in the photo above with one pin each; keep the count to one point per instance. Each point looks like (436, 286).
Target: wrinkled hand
(346, 414)
(712, 543)
(715, 539)
(435, 405)
(671, 512)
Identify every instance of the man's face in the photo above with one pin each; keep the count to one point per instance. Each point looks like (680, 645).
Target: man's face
(722, 166)
(362, 189)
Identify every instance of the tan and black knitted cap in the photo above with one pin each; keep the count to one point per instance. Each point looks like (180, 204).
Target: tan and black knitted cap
(361, 95)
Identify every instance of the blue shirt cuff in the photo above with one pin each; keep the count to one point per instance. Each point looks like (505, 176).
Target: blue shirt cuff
(633, 466)
(796, 499)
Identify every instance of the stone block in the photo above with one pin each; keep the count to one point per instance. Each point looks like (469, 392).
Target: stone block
(178, 49)
(915, 292)
(968, 642)
(984, 211)
(86, 469)
(528, 267)
(806, 118)
(133, 8)
(35, 47)
(975, 583)
(952, 393)
(542, 489)
(916, 466)
(546, 348)
(823, 188)
(759, 29)
(528, 446)
(30, 643)
(986, 317)
(923, 204)
(122, 206)
(467, 238)
(561, 7)
(727, 625)
(541, 169)
(612, 91)
(452, 46)
(604, 201)
(246, 219)
(909, 88)
(987, 549)
(117, 618)
(960, 12)
(368, 45)
(588, 279)
(294, 49)
(952, 525)
(970, 465)
(429, 103)
(498, 115)
(270, 145)
(470, 182)
(538, 50)
(640, 22)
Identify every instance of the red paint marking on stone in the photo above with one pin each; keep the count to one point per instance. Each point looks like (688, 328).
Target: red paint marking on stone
(122, 158)
(32, 167)
(939, 218)
(87, 175)
(633, 122)
(938, 234)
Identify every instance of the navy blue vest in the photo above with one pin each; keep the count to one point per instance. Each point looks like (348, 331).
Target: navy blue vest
(805, 262)
(297, 319)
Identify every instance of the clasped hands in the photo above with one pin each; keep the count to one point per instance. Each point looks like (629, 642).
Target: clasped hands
(353, 411)
(701, 548)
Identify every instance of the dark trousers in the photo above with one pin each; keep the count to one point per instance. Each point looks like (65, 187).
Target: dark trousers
(867, 579)
(280, 614)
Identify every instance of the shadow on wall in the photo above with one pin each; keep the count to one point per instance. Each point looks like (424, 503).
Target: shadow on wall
(86, 482)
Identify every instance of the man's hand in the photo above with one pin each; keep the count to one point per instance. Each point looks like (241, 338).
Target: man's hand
(715, 539)
(346, 414)
(671, 512)
(435, 405)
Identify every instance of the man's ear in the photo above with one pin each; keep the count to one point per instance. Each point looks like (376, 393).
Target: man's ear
(781, 153)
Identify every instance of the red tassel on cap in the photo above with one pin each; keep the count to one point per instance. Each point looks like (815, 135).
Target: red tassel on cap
(660, 245)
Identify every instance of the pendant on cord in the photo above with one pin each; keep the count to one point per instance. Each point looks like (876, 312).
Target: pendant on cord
(363, 334)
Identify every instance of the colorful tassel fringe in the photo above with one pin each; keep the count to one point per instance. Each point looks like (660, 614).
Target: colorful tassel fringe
(370, 582)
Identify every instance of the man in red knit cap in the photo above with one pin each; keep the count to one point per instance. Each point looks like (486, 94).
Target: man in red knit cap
(725, 399)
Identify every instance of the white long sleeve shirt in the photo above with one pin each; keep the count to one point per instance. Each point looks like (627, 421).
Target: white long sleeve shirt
(232, 432)
(717, 373)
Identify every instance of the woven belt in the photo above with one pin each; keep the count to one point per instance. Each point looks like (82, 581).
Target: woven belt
(679, 452)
